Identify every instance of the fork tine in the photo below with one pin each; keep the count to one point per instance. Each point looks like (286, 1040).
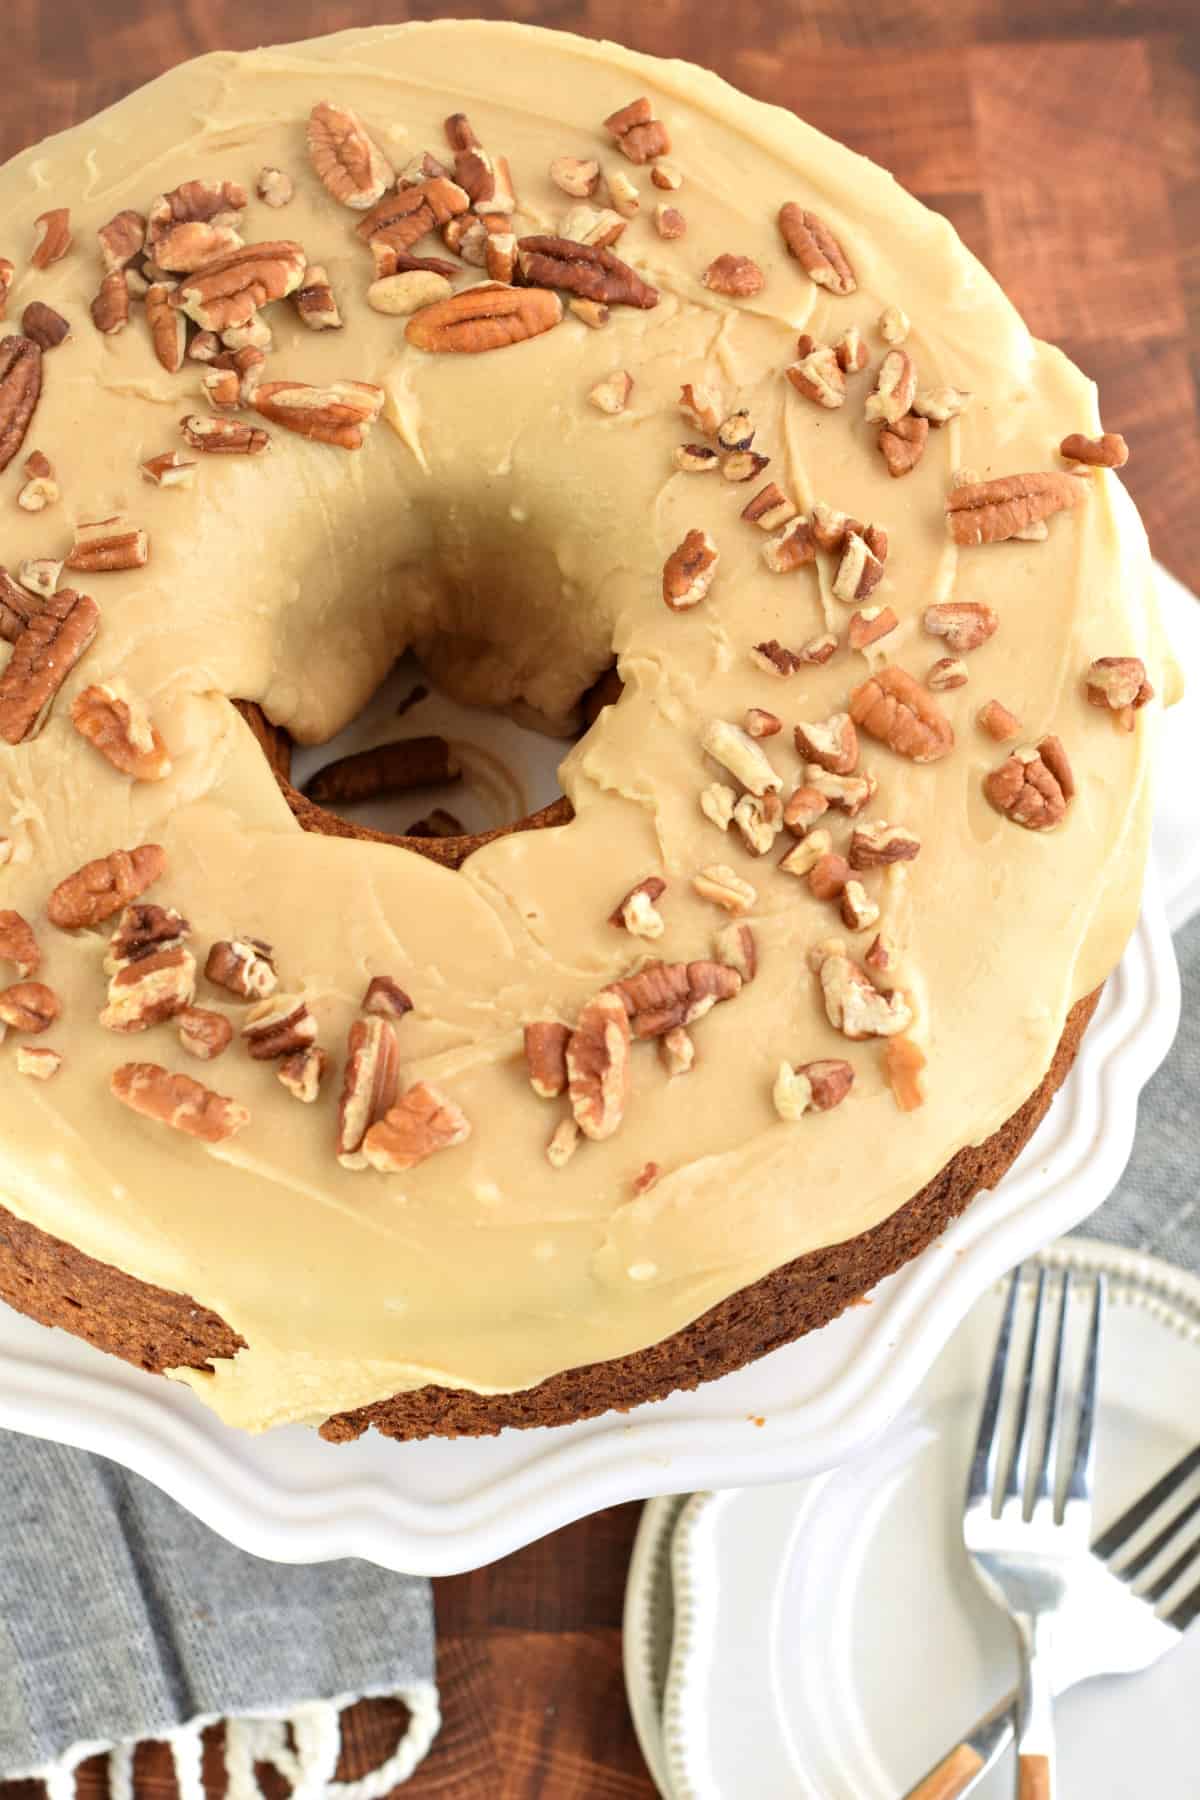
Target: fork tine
(981, 1478)
(1186, 1611)
(1134, 1567)
(1079, 1484)
(1137, 1515)
(1014, 1486)
(1165, 1582)
(1045, 1482)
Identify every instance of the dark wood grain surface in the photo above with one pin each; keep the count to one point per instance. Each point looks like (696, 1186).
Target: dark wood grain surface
(1064, 143)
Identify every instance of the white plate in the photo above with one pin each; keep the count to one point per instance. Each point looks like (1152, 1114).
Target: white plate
(439, 1507)
(829, 1639)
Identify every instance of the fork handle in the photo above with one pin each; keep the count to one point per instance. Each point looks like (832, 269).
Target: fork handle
(957, 1774)
(1033, 1778)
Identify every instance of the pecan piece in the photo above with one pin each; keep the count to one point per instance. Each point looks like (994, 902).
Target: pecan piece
(662, 996)
(832, 744)
(278, 1027)
(816, 249)
(895, 709)
(853, 1004)
(737, 948)
(637, 913)
(859, 911)
(546, 1055)
(1034, 787)
(168, 328)
(44, 654)
(846, 793)
(761, 724)
(790, 549)
(677, 1051)
(947, 672)
(275, 187)
(347, 162)
(894, 391)
(224, 437)
(178, 1101)
(941, 404)
(759, 819)
(243, 966)
(192, 202)
(903, 1062)
(585, 269)
(302, 1073)
(316, 302)
(998, 722)
(965, 624)
(689, 571)
(1110, 451)
(877, 845)
(487, 317)
(18, 945)
(385, 769)
(725, 888)
(117, 725)
(203, 1033)
(39, 1061)
(183, 248)
(696, 459)
(574, 176)
(28, 1006)
(639, 135)
(817, 1086)
(988, 512)
(7, 276)
(369, 1085)
(110, 308)
(43, 326)
(701, 407)
(143, 930)
(564, 1141)
(106, 545)
(340, 414)
(860, 569)
(902, 444)
(228, 291)
(806, 804)
(171, 469)
(1119, 683)
(669, 222)
(819, 377)
(598, 1065)
(774, 658)
(612, 394)
(20, 387)
(386, 998)
(737, 276)
(869, 625)
(420, 1123)
(769, 508)
(101, 888)
(52, 237)
(150, 989)
(736, 751)
(404, 218)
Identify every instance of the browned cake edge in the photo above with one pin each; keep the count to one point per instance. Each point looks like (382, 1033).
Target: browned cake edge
(56, 1284)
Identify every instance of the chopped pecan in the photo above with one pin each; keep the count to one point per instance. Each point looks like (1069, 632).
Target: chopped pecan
(224, 437)
(168, 328)
(110, 308)
(637, 913)
(369, 1085)
(39, 492)
(590, 312)
(737, 948)
(677, 1051)
(894, 325)
(18, 945)
(769, 509)
(775, 659)
(255, 334)
(178, 1101)
(564, 1141)
(598, 1065)
(228, 291)
(853, 1004)
(736, 751)
(947, 672)
(816, 249)
(895, 709)
(44, 654)
(988, 512)
(623, 195)
(51, 237)
(101, 888)
(903, 1062)
(736, 276)
(117, 725)
(1109, 451)
(487, 317)
(828, 876)
(803, 857)
(661, 996)
(106, 545)
(500, 251)
(717, 802)
(7, 276)
(669, 222)
(575, 176)
(701, 407)
(39, 1061)
(639, 135)
(1116, 682)
(818, 1086)
(436, 824)
(278, 1027)
(902, 444)
(585, 269)
(20, 386)
(805, 805)
(340, 414)
(183, 248)
(666, 176)
(998, 722)
(859, 911)
(404, 293)
(423, 166)
(876, 845)
(819, 377)
(171, 469)
(386, 997)
(546, 1056)
(689, 570)
(894, 391)
(696, 459)
(965, 624)
(860, 569)
(612, 394)
(759, 819)
(420, 1123)
(385, 769)
(851, 350)
(143, 930)
(39, 575)
(1034, 787)
(833, 744)
(819, 649)
(736, 432)
(204, 1033)
(846, 793)
(150, 989)
(870, 624)
(205, 347)
(275, 187)
(790, 549)
(725, 888)
(302, 1072)
(192, 202)
(598, 226)
(941, 404)
(762, 724)
(465, 234)
(28, 1006)
(45, 327)
(347, 162)
(243, 966)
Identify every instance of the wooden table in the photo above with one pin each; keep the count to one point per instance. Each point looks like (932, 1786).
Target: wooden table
(1071, 165)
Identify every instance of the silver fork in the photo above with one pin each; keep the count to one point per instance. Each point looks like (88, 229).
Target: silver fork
(1081, 1612)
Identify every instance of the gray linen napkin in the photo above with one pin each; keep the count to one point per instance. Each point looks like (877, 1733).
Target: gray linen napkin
(123, 1618)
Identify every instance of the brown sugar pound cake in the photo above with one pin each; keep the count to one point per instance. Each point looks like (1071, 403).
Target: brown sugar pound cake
(531, 355)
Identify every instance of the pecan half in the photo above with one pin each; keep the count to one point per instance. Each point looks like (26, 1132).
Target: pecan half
(150, 989)
(18, 945)
(101, 888)
(853, 1004)
(737, 276)
(988, 512)
(45, 327)
(106, 545)
(895, 709)
(302, 1073)
(819, 377)
(229, 291)
(203, 1033)
(877, 845)
(636, 911)
(689, 571)
(168, 327)
(44, 654)
(1034, 787)
(117, 725)
(965, 624)
(598, 1065)
(816, 249)
(52, 237)
(487, 317)
(402, 219)
(833, 744)
(895, 389)
(178, 1101)
(369, 1085)
(662, 996)
(242, 966)
(386, 997)
(816, 1086)
(224, 437)
(340, 414)
(1110, 451)
(20, 387)
(546, 1056)
(585, 269)
(639, 135)
(1116, 682)
(278, 1027)
(28, 1006)
(420, 1123)
(902, 444)
(349, 165)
